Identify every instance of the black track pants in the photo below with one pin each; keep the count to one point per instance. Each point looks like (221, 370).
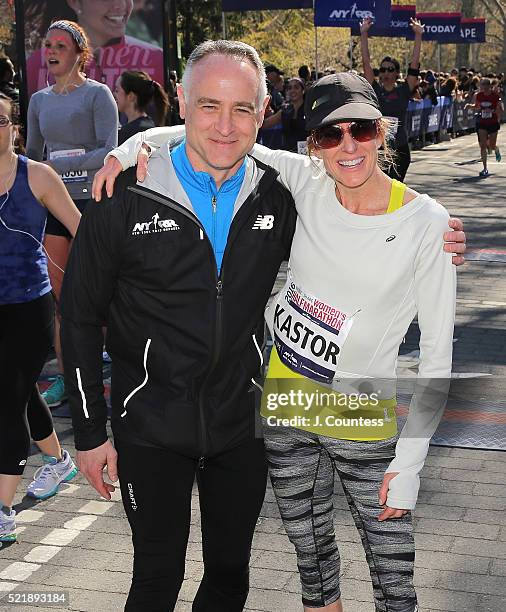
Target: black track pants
(156, 487)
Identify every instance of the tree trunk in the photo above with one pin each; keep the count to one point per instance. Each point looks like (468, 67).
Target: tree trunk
(502, 58)
(462, 55)
(475, 57)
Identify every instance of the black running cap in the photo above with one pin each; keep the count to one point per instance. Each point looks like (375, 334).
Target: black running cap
(342, 96)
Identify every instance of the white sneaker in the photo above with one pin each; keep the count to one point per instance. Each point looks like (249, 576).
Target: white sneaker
(48, 477)
(7, 525)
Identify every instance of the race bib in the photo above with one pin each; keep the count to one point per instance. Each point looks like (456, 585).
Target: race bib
(486, 113)
(302, 147)
(72, 176)
(394, 126)
(308, 333)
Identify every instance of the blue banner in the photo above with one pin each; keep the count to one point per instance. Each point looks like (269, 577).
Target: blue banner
(263, 5)
(424, 118)
(346, 13)
(472, 30)
(431, 117)
(446, 117)
(463, 118)
(399, 23)
(442, 27)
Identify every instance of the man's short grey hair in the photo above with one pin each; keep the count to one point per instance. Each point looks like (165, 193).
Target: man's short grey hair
(228, 48)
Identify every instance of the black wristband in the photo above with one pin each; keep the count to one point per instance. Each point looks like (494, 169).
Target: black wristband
(413, 71)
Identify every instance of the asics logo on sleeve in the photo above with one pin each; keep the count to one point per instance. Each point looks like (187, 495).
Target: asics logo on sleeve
(264, 222)
(154, 226)
(390, 238)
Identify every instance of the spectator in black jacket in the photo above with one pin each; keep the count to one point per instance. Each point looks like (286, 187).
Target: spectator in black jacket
(394, 98)
(7, 74)
(135, 91)
(274, 75)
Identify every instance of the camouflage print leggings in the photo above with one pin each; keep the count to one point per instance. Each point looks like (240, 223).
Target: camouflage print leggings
(302, 468)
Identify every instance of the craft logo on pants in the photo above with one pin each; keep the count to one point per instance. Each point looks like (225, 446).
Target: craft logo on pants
(133, 503)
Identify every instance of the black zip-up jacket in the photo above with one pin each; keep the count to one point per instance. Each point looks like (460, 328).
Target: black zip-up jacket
(185, 342)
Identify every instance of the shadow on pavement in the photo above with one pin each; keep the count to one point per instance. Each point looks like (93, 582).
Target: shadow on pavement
(26, 503)
(467, 162)
(469, 179)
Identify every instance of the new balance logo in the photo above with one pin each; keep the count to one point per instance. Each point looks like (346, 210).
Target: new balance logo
(155, 226)
(264, 222)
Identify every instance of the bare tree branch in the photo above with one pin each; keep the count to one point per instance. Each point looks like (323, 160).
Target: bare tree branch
(500, 6)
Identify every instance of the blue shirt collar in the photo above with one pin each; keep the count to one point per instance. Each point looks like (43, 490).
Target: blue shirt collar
(203, 181)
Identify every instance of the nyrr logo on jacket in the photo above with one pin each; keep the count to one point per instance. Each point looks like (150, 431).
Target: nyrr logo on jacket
(264, 222)
(155, 226)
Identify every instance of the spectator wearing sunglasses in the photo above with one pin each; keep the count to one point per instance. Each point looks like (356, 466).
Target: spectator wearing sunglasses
(394, 97)
(366, 258)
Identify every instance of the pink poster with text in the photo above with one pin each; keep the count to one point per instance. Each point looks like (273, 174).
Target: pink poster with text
(123, 34)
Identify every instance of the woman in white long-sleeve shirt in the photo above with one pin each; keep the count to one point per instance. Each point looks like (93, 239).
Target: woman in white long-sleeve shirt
(366, 258)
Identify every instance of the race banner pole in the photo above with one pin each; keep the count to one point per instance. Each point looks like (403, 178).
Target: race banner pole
(438, 66)
(170, 39)
(20, 50)
(223, 25)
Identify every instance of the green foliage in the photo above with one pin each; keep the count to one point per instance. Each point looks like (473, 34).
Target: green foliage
(6, 28)
(198, 20)
(287, 38)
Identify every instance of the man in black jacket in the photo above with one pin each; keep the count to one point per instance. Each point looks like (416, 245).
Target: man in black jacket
(180, 270)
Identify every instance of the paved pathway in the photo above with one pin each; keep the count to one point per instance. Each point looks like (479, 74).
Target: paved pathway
(81, 545)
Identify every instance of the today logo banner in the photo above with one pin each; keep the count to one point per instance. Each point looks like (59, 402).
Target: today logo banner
(441, 27)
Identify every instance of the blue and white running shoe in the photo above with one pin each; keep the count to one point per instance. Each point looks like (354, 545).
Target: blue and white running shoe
(7, 525)
(49, 476)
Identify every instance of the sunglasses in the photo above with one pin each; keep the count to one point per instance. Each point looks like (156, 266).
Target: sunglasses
(4, 121)
(387, 69)
(331, 136)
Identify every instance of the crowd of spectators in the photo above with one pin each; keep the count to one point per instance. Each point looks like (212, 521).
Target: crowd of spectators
(459, 84)
(284, 119)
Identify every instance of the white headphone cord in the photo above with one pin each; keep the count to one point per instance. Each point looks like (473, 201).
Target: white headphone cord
(10, 229)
